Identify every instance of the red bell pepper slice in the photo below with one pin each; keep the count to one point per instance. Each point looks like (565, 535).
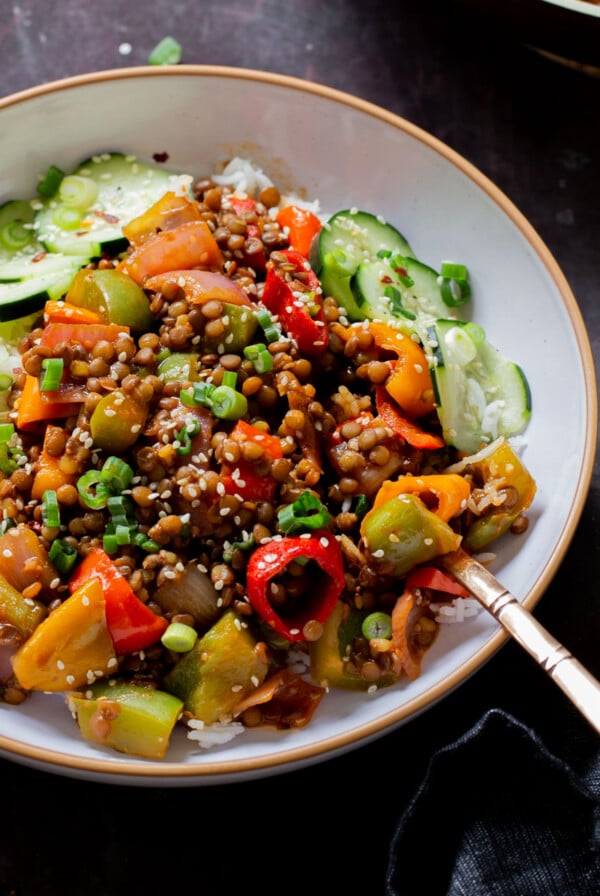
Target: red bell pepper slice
(300, 313)
(301, 225)
(271, 559)
(410, 431)
(132, 625)
(249, 483)
(436, 579)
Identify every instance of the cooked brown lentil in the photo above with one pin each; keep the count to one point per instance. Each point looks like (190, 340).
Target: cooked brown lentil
(316, 407)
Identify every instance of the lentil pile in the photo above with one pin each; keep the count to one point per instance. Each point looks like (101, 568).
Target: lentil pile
(226, 463)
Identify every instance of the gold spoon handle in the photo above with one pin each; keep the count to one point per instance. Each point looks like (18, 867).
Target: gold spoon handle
(570, 675)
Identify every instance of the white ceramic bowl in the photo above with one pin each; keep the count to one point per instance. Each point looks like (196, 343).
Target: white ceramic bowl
(347, 153)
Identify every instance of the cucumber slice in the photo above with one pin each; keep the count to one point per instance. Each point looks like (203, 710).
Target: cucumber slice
(16, 230)
(29, 294)
(348, 239)
(383, 290)
(480, 394)
(126, 189)
(19, 268)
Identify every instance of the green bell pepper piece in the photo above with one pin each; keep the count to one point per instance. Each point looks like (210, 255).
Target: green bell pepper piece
(117, 421)
(327, 666)
(179, 366)
(114, 295)
(128, 717)
(240, 326)
(221, 668)
(403, 533)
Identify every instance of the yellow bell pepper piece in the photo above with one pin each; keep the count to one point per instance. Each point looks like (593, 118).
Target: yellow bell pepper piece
(500, 471)
(71, 648)
(24, 615)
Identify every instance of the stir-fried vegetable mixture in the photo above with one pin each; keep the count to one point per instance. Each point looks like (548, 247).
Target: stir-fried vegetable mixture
(236, 435)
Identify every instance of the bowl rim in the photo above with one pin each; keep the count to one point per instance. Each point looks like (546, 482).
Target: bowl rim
(168, 772)
(579, 6)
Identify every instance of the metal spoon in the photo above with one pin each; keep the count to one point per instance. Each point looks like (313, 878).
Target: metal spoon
(568, 673)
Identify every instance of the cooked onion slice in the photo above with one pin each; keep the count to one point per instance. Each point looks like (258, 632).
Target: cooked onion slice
(193, 593)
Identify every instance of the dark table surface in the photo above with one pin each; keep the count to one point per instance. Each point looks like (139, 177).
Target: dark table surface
(529, 124)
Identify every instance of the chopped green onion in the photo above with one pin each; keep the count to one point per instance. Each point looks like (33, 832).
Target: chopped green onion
(50, 509)
(66, 218)
(455, 292)
(147, 544)
(110, 543)
(7, 431)
(62, 555)
(92, 491)
(7, 524)
(200, 394)
(50, 182)
(185, 436)
(15, 236)
(116, 507)
(179, 637)
(237, 546)
(224, 401)
(362, 505)
(116, 474)
(6, 381)
(77, 191)
(454, 271)
(377, 625)
(227, 404)
(395, 299)
(398, 265)
(261, 357)
(268, 326)
(307, 512)
(454, 284)
(166, 52)
(229, 379)
(8, 464)
(53, 371)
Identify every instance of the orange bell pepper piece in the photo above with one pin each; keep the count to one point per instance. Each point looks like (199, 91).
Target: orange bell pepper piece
(390, 413)
(449, 491)
(71, 647)
(410, 641)
(168, 212)
(301, 225)
(33, 408)
(190, 245)
(410, 382)
(66, 313)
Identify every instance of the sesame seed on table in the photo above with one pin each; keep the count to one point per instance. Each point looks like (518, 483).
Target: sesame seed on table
(529, 124)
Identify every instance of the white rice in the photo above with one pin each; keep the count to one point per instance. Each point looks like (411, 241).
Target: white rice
(457, 610)
(209, 736)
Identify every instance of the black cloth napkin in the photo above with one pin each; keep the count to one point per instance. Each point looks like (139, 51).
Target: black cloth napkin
(498, 814)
